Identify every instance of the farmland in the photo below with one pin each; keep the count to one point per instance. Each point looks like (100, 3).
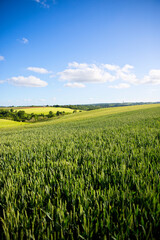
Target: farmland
(89, 175)
(33, 114)
(44, 110)
(8, 123)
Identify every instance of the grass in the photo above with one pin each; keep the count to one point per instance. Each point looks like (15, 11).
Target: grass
(90, 175)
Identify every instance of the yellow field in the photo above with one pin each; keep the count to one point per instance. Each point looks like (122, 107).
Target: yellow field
(45, 110)
(8, 123)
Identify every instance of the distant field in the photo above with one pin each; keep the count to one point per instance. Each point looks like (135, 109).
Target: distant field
(45, 110)
(8, 123)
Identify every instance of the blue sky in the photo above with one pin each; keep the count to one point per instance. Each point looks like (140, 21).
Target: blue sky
(79, 51)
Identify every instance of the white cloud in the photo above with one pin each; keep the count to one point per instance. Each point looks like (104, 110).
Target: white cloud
(29, 81)
(111, 67)
(38, 70)
(85, 73)
(25, 40)
(123, 73)
(74, 85)
(1, 58)
(152, 78)
(127, 77)
(77, 65)
(120, 86)
(127, 68)
(117, 68)
(92, 73)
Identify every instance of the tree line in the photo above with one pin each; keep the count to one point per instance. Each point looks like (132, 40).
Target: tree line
(22, 116)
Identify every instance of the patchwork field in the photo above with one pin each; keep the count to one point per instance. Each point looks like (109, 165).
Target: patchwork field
(89, 175)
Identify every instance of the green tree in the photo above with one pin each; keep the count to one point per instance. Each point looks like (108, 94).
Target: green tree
(50, 115)
(57, 113)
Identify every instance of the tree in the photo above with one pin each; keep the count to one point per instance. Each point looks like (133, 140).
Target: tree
(57, 113)
(50, 114)
(21, 114)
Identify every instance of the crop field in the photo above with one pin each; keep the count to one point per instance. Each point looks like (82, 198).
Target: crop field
(45, 110)
(89, 175)
(103, 113)
(8, 123)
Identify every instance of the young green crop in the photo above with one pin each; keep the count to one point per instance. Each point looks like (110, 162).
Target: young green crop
(96, 177)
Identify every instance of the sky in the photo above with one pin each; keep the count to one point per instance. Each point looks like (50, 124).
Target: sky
(79, 51)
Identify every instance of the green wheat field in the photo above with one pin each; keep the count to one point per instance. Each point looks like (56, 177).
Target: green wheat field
(88, 175)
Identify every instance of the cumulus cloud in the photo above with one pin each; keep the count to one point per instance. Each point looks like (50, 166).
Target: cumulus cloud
(152, 78)
(123, 73)
(38, 70)
(1, 58)
(127, 68)
(93, 73)
(127, 77)
(111, 67)
(74, 85)
(29, 81)
(120, 86)
(85, 73)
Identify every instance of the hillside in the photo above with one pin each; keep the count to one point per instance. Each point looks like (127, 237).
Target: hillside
(89, 175)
